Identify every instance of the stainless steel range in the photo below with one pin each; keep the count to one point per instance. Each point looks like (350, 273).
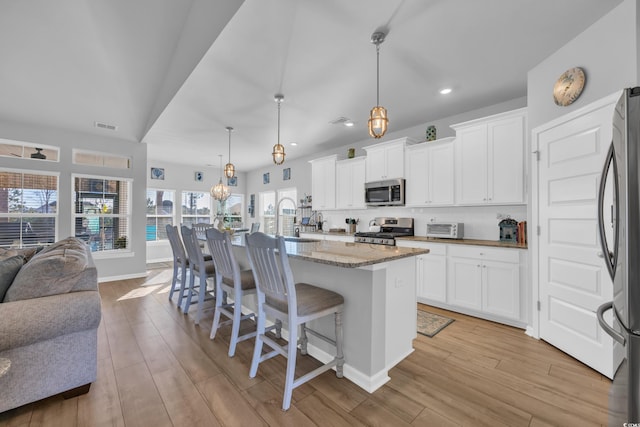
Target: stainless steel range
(390, 228)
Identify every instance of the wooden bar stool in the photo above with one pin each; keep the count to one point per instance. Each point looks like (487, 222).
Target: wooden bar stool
(200, 267)
(229, 281)
(280, 297)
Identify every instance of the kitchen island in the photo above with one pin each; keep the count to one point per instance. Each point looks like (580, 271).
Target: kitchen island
(378, 286)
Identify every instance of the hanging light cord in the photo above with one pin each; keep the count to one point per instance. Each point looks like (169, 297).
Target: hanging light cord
(378, 74)
(229, 129)
(279, 102)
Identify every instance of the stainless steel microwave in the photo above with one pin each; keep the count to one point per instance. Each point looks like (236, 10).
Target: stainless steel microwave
(389, 192)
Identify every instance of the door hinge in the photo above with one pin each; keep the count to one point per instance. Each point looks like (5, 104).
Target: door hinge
(537, 153)
(538, 230)
(538, 304)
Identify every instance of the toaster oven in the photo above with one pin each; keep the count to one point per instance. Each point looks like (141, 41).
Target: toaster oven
(445, 230)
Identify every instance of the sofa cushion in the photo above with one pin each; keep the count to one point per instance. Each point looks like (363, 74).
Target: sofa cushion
(27, 253)
(63, 267)
(9, 267)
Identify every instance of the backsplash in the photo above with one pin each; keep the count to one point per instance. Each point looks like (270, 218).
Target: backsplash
(480, 222)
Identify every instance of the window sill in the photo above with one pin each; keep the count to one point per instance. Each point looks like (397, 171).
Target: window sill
(112, 254)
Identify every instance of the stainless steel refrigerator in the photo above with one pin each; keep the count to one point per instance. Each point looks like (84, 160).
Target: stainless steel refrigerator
(619, 224)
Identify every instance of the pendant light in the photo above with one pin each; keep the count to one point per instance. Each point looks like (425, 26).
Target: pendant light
(378, 119)
(220, 192)
(278, 149)
(229, 168)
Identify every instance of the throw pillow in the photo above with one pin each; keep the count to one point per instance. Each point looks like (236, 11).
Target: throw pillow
(27, 253)
(9, 267)
(55, 270)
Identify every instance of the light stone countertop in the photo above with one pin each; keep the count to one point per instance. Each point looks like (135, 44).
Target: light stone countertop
(344, 254)
(473, 242)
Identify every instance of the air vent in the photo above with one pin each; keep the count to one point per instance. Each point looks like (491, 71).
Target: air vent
(105, 126)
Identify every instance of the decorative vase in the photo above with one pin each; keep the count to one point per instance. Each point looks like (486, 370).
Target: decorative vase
(351, 153)
(431, 133)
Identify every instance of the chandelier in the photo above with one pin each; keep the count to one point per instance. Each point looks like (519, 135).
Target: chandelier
(229, 168)
(278, 150)
(220, 192)
(378, 119)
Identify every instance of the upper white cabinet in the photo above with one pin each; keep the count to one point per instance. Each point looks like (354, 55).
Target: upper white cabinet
(323, 182)
(429, 173)
(350, 177)
(489, 159)
(386, 160)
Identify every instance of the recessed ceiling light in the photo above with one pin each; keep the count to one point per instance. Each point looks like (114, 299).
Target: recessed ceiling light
(294, 143)
(445, 91)
(349, 123)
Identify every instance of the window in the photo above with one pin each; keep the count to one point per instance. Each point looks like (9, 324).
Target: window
(267, 211)
(196, 207)
(287, 211)
(94, 158)
(28, 209)
(159, 213)
(103, 212)
(232, 211)
(23, 150)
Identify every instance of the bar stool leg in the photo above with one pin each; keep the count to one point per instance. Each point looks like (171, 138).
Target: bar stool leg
(339, 338)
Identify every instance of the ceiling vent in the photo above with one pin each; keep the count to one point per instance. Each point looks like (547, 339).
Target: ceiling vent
(105, 126)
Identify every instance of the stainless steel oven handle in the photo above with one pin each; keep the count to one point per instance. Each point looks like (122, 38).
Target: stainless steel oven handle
(608, 329)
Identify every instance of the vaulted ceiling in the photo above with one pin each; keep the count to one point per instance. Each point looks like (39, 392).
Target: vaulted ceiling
(174, 74)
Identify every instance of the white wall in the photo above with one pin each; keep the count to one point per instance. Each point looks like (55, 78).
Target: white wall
(607, 51)
(179, 178)
(128, 266)
(480, 222)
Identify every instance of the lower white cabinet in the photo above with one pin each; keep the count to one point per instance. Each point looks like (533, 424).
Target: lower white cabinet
(481, 281)
(431, 274)
(347, 238)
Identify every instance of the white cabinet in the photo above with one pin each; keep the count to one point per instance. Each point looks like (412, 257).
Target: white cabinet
(350, 176)
(490, 159)
(479, 281)
(429, 173)
(347, 238)
(485, 279)
(386, 160)
(323, 182)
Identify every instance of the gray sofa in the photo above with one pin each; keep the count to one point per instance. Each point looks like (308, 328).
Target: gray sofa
(49, 319)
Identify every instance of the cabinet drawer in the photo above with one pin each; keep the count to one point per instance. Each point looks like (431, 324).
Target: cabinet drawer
(485, 253)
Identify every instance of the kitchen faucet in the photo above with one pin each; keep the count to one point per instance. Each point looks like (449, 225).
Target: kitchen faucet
(278, 212)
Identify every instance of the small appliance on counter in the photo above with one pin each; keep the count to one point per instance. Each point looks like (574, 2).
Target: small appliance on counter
(508, 230)
(445, 230)
(351, 222)
(390, 228)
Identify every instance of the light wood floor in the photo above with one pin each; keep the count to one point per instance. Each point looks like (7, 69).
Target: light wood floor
(156, 368)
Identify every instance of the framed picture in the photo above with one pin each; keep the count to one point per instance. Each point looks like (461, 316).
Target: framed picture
(233, 181)
(265, 178)
(198, 176)
(286, 174)
(157, 173)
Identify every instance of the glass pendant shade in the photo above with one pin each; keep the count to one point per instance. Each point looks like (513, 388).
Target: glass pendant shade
(278, 149)
(220, 192)
(278, 154)
(229, 170)
(378, 122)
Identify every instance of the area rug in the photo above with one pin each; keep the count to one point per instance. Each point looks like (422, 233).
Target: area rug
(430, 324)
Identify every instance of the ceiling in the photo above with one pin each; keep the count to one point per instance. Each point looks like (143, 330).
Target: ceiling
(174, 74)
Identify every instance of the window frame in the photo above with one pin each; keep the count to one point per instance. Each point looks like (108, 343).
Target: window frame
(211, 215)
(172, 216)
(23, 214)
(113, 252)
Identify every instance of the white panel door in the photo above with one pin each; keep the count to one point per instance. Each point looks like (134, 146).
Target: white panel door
(573, 280)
